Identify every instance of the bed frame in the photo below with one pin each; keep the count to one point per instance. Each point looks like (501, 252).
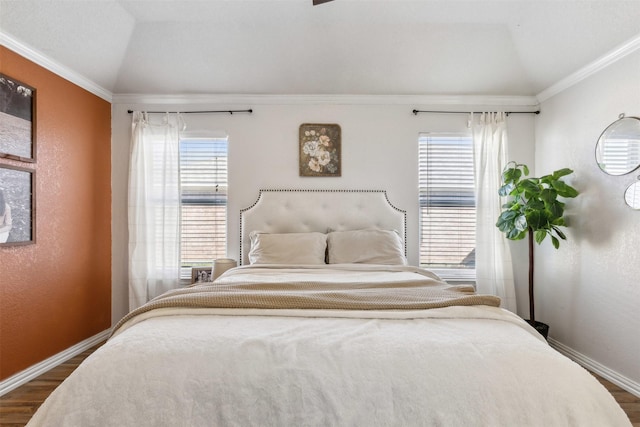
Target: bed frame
(302, 211)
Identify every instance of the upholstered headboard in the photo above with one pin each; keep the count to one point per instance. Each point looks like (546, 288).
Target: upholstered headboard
(301, 211)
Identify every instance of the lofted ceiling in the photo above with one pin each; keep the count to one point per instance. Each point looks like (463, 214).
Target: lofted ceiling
(355, 47)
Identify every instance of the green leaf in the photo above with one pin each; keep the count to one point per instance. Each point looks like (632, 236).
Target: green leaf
(548, 195)
(547, 179)
(564, 190)
(555, 210)
(536, 219)
(539, 236)
(535, 204)
(520, 223)
(509, 204)
(504, 226)
(506, 189)
(529, 185)
(561, 172)
(513, 234)
(559, 232)
(525, 169)
(506, 221)
(511, 175)
(508, 215)
(556, 242)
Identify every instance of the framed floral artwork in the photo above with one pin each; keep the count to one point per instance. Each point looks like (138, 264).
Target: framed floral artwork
(320, 150)
(17, 120)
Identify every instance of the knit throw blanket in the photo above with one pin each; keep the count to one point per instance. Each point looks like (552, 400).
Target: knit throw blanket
(422, 293)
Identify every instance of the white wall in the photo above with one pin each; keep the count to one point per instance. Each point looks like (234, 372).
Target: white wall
(589, 290)
(379, 151)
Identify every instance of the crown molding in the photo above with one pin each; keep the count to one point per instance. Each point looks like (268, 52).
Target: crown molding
(27, 52)
(590, 69)
(336, 99)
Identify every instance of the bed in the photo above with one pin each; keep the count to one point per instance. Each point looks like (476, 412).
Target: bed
(323, 323)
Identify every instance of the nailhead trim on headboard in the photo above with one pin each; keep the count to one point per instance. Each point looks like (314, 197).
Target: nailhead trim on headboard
(261, 191)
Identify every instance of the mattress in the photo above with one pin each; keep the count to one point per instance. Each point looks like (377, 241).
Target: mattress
(458, 360)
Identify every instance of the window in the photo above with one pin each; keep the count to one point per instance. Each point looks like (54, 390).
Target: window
(203, 194)
(447, 205)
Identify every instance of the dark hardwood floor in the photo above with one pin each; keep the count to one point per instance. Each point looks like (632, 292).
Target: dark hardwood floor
(629, 403)
(17, 406)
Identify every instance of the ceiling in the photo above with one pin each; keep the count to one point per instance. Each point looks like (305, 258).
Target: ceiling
(354, 47)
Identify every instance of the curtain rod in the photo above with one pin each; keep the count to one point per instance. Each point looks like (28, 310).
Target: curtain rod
(198, 112)
(467, 112)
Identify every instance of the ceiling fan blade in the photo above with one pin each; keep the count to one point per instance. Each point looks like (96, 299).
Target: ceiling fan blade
(317, 2)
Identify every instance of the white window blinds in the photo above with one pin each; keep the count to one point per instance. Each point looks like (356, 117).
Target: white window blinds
(447, 202)
(619, 156)
(203, 189)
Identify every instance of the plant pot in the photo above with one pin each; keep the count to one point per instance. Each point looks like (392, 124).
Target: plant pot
(542, 328)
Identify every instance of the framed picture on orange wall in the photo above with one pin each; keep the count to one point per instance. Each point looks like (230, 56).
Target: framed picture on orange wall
(17, 120)
(17, 205)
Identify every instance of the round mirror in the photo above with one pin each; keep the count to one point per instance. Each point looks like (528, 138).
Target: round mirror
(632, 195)
(618, 148)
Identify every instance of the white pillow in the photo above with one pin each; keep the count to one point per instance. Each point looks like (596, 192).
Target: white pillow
(287, 248)
(370, 246)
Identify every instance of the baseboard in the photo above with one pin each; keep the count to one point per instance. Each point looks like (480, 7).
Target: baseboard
(34, 371)
(597, 368)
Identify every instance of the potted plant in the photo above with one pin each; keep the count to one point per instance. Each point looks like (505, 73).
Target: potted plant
(534, 211)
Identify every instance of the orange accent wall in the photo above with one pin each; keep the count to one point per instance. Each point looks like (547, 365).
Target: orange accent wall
(57, 292)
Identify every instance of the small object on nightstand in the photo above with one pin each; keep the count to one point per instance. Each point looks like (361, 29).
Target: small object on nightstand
(221, 265)
(201, 274)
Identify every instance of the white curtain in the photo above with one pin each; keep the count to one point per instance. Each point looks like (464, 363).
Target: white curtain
(154, 207)
(494, 270)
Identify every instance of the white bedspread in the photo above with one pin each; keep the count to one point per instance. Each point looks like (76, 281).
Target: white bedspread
(454, 366)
